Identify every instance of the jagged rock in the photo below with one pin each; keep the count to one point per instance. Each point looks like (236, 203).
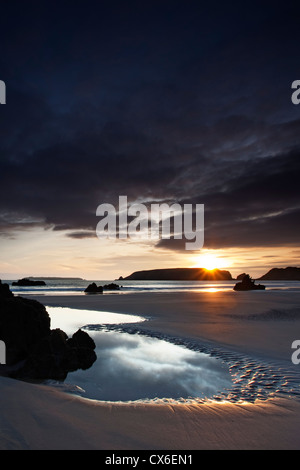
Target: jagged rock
(23, 322)
(111, 286)
(93, 289)
(45, 359)
(247, 284)
(5, 291)
(82, 349)
(33, 350)
(56, 355)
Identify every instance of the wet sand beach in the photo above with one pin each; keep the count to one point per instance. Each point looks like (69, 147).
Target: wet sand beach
(252, 331)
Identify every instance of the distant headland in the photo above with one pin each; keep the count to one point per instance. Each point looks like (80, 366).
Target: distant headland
(202, 274)
(55, 278)
(282, 274)
(25, 282)
(179, 274)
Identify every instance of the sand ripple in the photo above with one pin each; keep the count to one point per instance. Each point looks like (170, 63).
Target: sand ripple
(252, 378)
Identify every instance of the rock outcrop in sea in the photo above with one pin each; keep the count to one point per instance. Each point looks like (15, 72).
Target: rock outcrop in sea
(33, 349)
(111, 286)
(94, 289)
(248, 284)
(25, 282)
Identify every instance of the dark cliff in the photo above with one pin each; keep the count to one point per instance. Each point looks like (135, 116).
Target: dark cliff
(282, 274)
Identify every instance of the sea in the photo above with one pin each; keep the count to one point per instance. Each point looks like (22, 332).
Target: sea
(76, 286)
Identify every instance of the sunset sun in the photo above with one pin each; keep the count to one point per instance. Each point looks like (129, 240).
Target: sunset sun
(209, 262)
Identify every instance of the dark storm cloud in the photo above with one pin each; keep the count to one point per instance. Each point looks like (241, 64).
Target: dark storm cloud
(167, 101)
(259, 207)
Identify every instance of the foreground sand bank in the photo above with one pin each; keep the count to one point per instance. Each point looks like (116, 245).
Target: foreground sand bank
(39, 417)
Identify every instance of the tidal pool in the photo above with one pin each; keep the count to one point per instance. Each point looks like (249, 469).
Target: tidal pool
(70, 319)
(132, 367)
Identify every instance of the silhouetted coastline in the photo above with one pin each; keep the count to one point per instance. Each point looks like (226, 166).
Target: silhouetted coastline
(179, 274)
(282, 274)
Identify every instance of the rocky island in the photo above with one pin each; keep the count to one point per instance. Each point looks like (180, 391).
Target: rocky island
(25, 282)
(248, 284)
(180, 274)
(94, 289)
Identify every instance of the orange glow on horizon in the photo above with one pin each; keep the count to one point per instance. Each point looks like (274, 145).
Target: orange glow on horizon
(209, 261)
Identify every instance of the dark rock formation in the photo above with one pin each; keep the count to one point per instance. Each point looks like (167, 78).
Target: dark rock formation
(55, 355)
(240, 277)
(180, 274)
(111, 286)
(248, 284)
(5, 291)
(23, 322)
(93, 289)
(33, 350)
(282, 274)
(28, 282)
(82, 350)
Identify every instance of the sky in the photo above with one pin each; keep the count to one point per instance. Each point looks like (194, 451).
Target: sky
(184, 102)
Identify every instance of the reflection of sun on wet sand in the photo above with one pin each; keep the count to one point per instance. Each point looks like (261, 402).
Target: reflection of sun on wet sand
(240, 324)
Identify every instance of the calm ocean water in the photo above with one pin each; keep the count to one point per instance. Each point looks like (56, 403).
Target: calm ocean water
(77, 286)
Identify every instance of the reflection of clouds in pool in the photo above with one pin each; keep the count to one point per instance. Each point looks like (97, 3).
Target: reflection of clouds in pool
(132, 367)
(136, 366)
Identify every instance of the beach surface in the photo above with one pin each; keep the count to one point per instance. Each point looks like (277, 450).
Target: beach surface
(254, 331)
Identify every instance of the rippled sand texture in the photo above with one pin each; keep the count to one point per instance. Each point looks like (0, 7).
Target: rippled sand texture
(251, 379)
